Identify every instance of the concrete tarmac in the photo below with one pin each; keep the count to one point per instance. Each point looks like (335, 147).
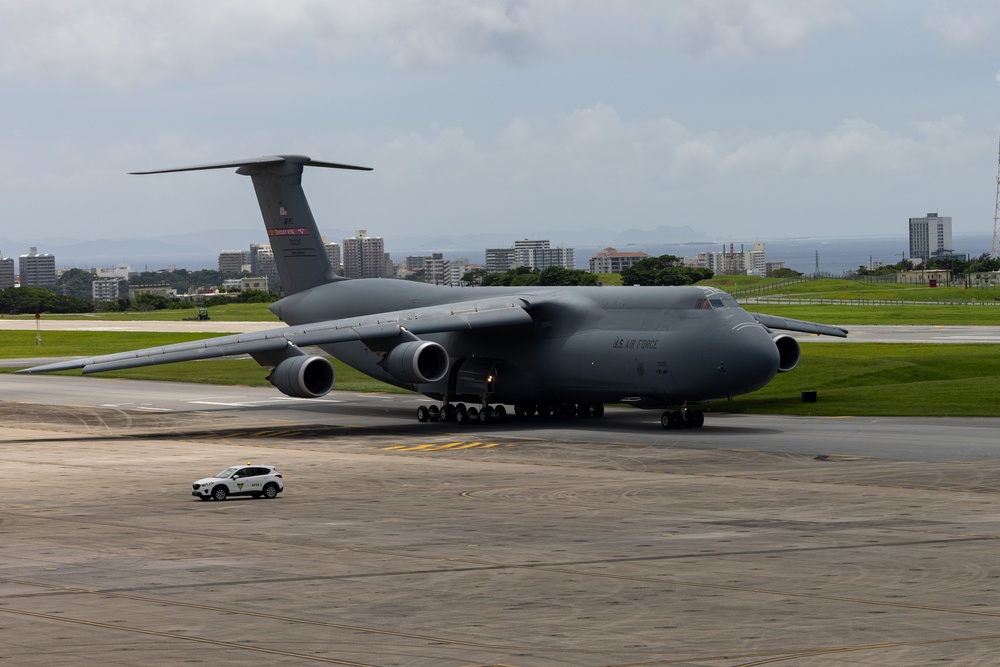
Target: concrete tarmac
(605, 542)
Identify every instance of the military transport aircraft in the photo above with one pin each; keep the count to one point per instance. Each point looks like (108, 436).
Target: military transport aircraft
(543, 350)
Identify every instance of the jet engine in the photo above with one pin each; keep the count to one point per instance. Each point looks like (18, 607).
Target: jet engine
(417, 362)
(303, 376)
(788, 352)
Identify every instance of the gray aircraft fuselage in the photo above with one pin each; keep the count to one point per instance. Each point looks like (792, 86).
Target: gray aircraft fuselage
(656, 346)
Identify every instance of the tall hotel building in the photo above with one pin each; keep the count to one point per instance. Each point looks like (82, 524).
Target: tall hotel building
(6, 272)
(37, 270)
(364, 256)
(930, 237)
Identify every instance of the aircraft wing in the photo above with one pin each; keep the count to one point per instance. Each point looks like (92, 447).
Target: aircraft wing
(784, 323)
(485, 313)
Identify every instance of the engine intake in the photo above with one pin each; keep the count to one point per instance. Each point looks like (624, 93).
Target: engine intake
(303, 376)
(417, 362)
(788, 352)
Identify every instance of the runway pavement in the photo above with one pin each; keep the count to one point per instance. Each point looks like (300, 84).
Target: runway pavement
(577, 542)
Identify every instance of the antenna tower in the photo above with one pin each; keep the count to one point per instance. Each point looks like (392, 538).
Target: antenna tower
(996, 212)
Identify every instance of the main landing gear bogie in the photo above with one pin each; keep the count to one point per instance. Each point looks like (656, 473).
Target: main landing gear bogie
(672, 419)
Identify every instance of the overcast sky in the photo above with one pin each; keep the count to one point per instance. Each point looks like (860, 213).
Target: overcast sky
(742, 120)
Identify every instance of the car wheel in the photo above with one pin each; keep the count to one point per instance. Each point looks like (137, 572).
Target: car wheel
(220, 492)
(271, 491)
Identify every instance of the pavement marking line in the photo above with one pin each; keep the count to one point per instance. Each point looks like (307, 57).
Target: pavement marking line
(450, 445)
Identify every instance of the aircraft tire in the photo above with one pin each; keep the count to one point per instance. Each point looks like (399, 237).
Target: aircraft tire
(695, 418)
(666, 422)
(597, 410)
(500, 413)
(461, 415)
(519, 410)
(485, 415)
(434, 412)
(423, 414)
(448, 413)
(473, 414)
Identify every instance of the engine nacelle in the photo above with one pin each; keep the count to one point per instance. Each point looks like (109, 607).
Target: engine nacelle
(417, 362)
(303, 376)
(788, 352)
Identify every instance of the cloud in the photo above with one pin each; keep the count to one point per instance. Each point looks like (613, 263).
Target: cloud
(964, 31)
(122, 43)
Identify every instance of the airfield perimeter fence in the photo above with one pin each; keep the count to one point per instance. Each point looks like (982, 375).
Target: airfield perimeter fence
(764, 293)
(807, 301)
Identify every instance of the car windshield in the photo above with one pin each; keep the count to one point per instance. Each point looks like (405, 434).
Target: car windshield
(228, 472)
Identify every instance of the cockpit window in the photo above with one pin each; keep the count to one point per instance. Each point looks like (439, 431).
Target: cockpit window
(716, 301)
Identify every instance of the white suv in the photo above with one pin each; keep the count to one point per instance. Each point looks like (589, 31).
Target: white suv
(249, 480)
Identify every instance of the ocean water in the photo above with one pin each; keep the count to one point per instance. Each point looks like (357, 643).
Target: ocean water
(807, 255)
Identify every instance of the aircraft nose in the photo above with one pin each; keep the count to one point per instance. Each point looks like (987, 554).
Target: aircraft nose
(750, 358)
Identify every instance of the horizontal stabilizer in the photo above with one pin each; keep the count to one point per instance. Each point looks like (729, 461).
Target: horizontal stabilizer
(256, 162)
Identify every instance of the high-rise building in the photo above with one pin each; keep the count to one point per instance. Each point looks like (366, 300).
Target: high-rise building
(733, 262)
(364, 256)
(459, 267)
(266, 267)
(930, 237)
(333, 254)
(537, 254)
(37, 270)
(610, 260)
(234, 262)
(104, 289)
(6, 272)
(437, 269)
(499, 260)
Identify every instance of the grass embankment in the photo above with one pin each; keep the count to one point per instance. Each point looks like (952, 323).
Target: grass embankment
(244, 372)
(847, 302)
(233, 312)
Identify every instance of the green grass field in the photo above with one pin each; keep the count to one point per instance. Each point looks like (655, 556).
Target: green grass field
(233, 312)
(916, 380)
(245, 372)
(850, 379)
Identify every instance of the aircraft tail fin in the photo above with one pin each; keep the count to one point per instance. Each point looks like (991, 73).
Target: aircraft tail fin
(297, 245)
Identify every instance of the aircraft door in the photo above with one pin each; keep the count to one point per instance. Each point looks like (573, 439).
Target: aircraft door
(476, 377)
